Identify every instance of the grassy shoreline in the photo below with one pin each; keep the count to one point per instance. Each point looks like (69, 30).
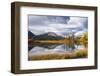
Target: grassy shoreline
(53, 56)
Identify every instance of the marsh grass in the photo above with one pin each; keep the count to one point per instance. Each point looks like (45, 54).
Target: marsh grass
(52, 56)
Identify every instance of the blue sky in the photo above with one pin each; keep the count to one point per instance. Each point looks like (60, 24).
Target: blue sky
(58, 24)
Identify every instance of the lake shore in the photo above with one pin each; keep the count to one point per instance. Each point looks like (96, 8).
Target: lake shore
(82, 53)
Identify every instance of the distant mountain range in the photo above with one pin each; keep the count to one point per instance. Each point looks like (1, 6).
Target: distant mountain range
(45, 36)
(30, 35)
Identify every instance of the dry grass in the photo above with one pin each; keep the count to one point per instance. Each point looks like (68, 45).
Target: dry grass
(53, 56)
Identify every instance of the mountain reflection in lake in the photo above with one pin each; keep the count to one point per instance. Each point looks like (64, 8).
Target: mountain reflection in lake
(52, 48)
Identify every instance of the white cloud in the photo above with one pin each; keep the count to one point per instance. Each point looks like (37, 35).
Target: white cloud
(80, 32)
(76, 22)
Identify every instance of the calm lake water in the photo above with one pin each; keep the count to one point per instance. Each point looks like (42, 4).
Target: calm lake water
(52, 48)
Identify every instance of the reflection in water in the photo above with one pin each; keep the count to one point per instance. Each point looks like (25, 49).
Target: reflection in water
(48, 48)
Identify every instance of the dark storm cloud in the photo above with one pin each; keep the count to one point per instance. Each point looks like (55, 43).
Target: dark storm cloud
(45, 20)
